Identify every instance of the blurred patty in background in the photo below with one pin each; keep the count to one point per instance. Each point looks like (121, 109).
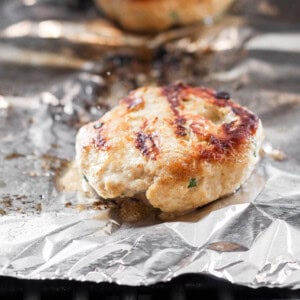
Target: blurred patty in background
(156, 15)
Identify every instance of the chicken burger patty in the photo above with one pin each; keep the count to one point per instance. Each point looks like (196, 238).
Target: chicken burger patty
(179, 146)
(156, 15)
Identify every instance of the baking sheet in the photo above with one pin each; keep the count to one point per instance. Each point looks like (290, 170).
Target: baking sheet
(53, 81)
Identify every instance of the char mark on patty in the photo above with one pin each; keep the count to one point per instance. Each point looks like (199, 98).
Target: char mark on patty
(231, 136)
(174, 98)
(147, 144)
(100, 141)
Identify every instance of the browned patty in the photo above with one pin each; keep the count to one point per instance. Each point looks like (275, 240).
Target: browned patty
(182, 146)
(156, 15)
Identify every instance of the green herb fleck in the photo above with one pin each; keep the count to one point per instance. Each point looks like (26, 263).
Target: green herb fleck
(192, 183)
(175, 16)
(84, 177)
(98, 125)
(255, 148)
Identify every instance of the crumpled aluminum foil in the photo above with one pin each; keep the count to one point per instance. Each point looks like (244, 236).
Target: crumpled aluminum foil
(56, 75)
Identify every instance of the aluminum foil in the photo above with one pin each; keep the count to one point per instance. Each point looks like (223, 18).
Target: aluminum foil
(61, 67)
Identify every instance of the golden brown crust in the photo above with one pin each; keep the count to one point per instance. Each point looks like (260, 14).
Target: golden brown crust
(156, 15)
(158, 139)
(228, 138)
(219, 145)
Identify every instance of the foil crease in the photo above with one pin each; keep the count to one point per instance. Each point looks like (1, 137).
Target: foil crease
(60, 68)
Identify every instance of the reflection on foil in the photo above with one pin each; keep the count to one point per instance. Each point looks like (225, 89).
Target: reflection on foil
(81, 69)
(14, 55)
(285, 42)
(96, 32)
(29, 2)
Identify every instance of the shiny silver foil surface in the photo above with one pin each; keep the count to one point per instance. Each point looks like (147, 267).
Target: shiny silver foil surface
(62, 66)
